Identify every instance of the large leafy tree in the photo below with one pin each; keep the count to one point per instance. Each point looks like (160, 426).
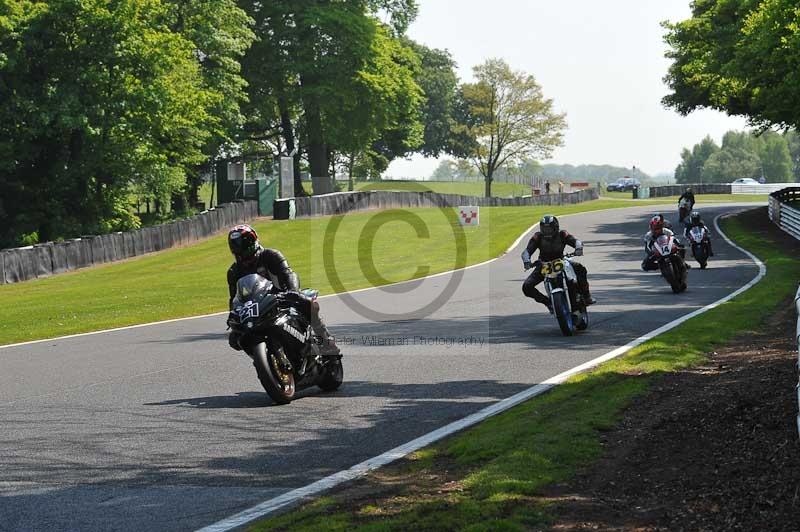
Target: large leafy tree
(95, 95)
(220, 32)
(510, 118)
(384, 102)
(313, 61)
(738, 56)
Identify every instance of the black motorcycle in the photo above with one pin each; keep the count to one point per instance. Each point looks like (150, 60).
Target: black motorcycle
(277, 334)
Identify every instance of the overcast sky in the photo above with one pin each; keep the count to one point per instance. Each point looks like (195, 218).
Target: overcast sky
(602, 62)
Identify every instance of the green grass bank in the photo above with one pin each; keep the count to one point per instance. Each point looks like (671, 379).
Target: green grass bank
(487, 477)
(191, 281)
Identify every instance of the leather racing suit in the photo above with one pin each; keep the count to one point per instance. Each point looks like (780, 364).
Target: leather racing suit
(551, 249)
(272, 265)
(650, 262)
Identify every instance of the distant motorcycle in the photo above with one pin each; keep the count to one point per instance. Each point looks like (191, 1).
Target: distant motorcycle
(569, 307)
(684, 210)
(278, 336)
(671, 262)
(698, 237)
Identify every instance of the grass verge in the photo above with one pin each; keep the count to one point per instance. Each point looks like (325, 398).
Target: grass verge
(191, 281)
(488, 477)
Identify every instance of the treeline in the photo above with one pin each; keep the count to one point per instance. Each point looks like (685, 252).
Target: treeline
(773, 156)
(103, 101)
(739, 57)
(462, 170)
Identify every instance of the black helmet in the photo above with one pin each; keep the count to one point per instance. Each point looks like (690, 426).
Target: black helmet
(689, 190)
(695, 218)
(548, 226)
(243, 242)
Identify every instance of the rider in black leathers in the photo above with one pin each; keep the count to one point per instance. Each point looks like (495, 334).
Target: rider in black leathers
(688, 195)
(550, 241)
(695, 220)
(252, 258)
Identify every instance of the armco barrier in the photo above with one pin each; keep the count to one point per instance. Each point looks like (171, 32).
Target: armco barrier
(784, 210)
(42, 260)
(677, 190)
(344, 202)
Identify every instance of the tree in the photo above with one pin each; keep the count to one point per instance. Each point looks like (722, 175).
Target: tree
(385, 100)
(221, 33)
(510, 118)
(308, 66)
(95, 97)
(690, 170)
(439, 83)
(775, 159)
(730, 164)
(737, 56)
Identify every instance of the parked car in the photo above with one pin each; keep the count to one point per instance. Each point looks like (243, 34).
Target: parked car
(623, 184)
(745, 181)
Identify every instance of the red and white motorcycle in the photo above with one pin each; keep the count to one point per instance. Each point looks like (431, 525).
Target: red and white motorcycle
(698, 237)
(670, 261)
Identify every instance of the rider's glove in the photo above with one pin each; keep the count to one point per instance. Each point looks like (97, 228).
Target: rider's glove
(578, 252)
(527, 265)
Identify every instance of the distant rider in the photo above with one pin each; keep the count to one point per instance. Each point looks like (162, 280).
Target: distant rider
(658, 227)
(688, 195)
(252, 258)
(695, 220)
(550, 241)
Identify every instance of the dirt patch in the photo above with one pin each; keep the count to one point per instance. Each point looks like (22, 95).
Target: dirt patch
(710, 448)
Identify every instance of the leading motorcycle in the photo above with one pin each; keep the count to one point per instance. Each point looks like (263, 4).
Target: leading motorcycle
(698, 237)
(277, 335)
(567, 302)
(671, 262)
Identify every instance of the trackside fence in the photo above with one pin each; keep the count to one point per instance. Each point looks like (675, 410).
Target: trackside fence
(784, 210)
(344, 202)
(44, 260)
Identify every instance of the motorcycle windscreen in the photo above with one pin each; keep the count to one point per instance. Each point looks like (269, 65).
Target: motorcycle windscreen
(663, 245)
(252, 288)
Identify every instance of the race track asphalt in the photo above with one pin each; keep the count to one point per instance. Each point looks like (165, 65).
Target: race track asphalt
(165, 428)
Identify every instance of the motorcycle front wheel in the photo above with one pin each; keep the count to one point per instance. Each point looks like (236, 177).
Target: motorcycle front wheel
(563, 315)
(277, 380)
(669, 274)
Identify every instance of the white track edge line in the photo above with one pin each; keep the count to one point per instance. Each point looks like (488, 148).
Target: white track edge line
(361, 469)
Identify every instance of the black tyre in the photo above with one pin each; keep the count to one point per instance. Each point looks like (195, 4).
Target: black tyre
(700, 255)
(563, 315)
(275, 377)
(333, 377)
(668, 273)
